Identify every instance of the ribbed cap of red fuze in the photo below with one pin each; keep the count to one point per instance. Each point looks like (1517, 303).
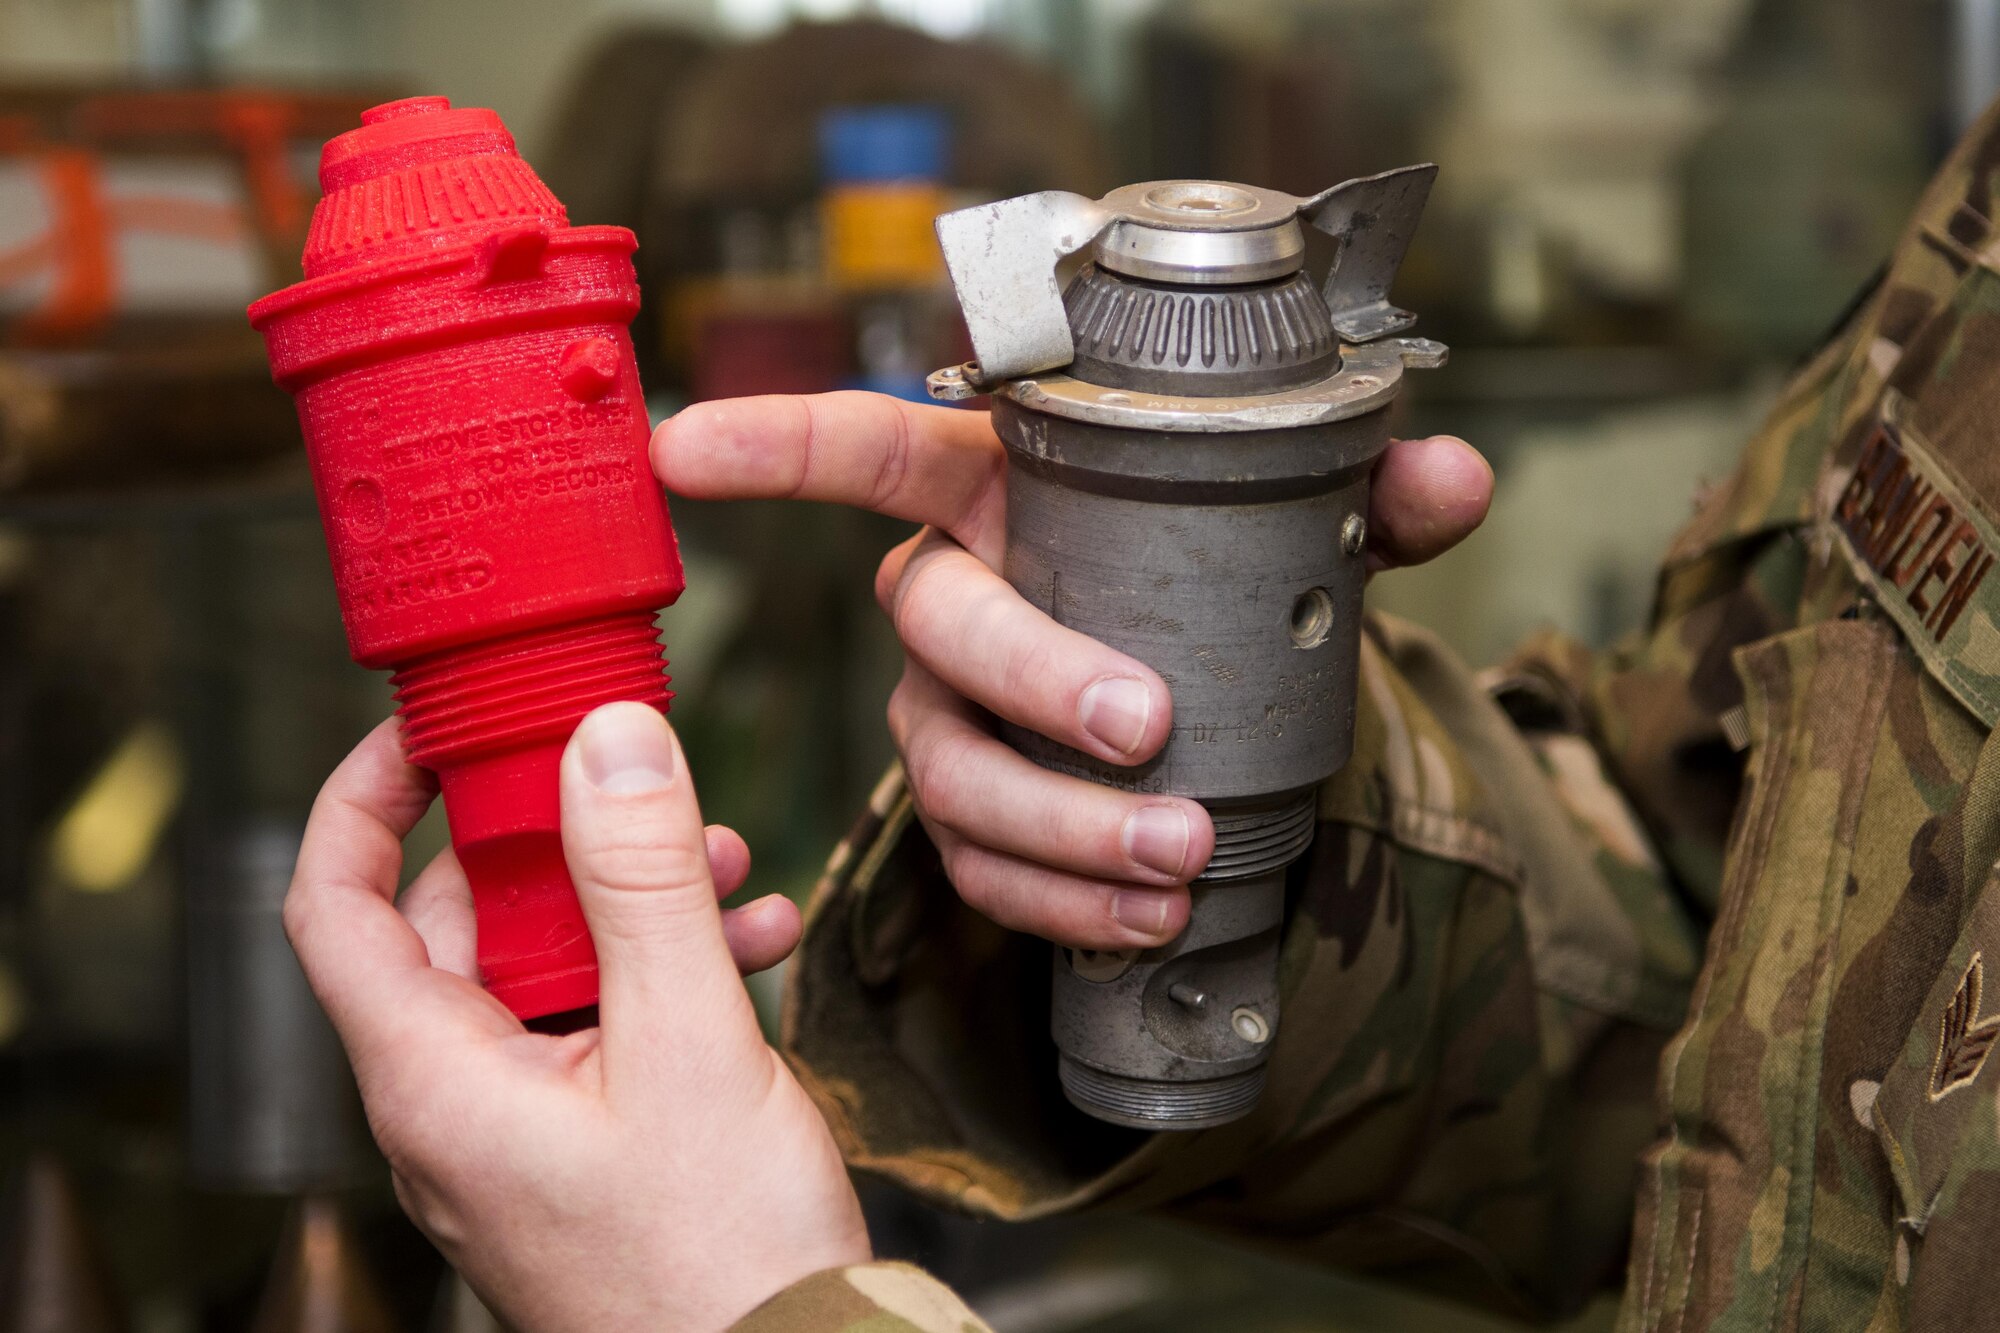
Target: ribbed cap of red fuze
(421, 176)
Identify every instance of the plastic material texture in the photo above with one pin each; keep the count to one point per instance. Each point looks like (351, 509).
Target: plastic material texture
(471, 407)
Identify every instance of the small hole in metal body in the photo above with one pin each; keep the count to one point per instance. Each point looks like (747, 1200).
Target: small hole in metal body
(1312, 618)
(1102, 965)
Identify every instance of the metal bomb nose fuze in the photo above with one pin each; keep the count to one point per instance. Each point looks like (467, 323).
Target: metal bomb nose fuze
(1188, 483)
(472, 413)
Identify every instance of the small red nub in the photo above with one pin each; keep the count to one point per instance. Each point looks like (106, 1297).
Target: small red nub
(408, 106)
(589, 368)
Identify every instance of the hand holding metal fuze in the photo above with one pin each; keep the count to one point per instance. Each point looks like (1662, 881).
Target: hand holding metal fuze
(1035, 850)
(1191, 429)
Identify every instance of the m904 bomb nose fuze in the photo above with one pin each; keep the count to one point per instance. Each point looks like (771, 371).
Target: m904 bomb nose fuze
(473, 416)
(1190, 428)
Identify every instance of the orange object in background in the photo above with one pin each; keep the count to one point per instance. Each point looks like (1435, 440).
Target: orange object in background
(147, 206)
(135, 224)
(879, 234)
(62, 272)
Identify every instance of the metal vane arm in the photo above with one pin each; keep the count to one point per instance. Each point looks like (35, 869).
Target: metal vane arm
(1003, 257)
(1003, 260)
(1373, 218)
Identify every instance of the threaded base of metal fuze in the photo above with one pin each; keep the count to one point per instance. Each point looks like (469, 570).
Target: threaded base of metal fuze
(1259, 839)
(1147, 1104)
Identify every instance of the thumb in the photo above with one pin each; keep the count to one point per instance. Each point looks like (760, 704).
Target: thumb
(668, 990)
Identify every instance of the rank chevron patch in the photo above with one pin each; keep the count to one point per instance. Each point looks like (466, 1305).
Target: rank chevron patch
(1964, 1038)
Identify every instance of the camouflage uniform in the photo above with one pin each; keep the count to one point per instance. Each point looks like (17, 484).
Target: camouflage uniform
(863, 1298)
(1715, 902)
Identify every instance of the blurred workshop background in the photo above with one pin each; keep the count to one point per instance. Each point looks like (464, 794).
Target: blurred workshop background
(1646, 214)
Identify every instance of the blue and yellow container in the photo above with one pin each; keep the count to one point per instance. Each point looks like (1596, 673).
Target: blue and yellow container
(884, 173)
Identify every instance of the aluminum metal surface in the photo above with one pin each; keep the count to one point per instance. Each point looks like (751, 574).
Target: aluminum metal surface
(1203, 571)
(1205, 342)
(1368, 379)
(1201, 258)
(1003, 256)
(1173, 1037)
(1373, 218)
(1192, 489)
(1219, 559)
(1200, 206)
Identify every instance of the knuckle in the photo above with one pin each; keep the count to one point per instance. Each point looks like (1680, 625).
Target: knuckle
(995, 886)
(916, 602)
(940, 595)
(403, 1139)
(1035, 671)
(886, 575)
(939, 768)
(1034, 900)
(429, 1206)
(636, 848)
(297, 914)
(806, 429)
(972, 872)
(903, 714)
(1084, 829)
(986, 500)
(638, 865)
(409, 1197)
(894, 465)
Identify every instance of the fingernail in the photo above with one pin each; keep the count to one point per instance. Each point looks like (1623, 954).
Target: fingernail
(1156, 836)
(1115, 711)
(1141, 911)
(625, 749)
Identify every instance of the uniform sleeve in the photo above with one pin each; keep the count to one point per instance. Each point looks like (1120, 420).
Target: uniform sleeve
(864, 1298)
(1492, 937)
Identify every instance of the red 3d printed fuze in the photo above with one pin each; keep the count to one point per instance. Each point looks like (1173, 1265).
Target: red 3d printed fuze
(471, 407)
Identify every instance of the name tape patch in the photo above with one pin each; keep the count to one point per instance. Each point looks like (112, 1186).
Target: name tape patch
(1917, 541)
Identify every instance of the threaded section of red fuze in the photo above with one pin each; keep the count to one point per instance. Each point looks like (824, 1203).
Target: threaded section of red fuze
(527, 687)
(492, 719)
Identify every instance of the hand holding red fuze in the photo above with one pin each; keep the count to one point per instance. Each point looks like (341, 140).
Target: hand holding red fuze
(472, 411)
